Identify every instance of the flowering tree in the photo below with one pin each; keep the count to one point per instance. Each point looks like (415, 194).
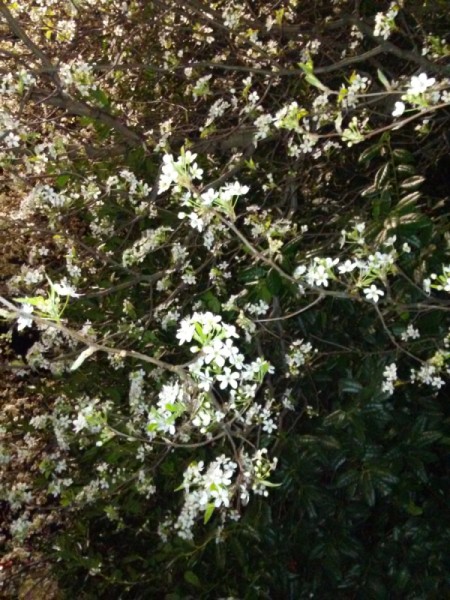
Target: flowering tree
(220, 341)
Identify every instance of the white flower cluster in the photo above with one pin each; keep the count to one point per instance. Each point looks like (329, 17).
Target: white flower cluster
(435, 47)
(216, 110)
(433, 371)
(232, 16)
(20, 527)
(144, 484)
(288, 117)
(443, 281)
(300, 352)
(55, 150)
(128, 182)
(136, 392)
(354, 132)
(256, 470)
(428, 374)
(7, 85)
(65, 30)
(418, 95)
(172, 403)
(212, 487)
(11, 140)
(44, 197)
(361, 269)
(17, 84)
(201, 87)
(267, 420)
(219, 360)
(257, 309)
(291, 117)
(320, 272)
(149, 241)
(215, 488)
(78, 74)
(263, 124)
(223, 200)
(385, 22)
(390, 377)
(179, 176)
(205, 414)
(179, 173)
(410, 333)
(10, 129)
(17, 495)
(88, 418)
(348, 95)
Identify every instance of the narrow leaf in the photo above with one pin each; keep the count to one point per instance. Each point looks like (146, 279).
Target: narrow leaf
(208, 512)
(383, 80)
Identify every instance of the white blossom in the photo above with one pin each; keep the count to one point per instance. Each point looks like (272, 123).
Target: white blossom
(25, 320)
(228, 378)
(420, 83)
(373, 293)
(185, 331)
(399, 109)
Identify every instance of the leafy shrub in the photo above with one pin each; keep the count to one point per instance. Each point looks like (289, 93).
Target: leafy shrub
(239, 275)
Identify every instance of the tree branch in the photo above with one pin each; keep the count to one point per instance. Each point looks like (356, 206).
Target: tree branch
(83, 109)
(20, 33)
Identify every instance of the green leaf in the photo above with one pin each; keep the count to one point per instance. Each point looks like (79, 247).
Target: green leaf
(429, 437)
(35, 301)
(382, 175)
(412, 183)
(274, 282)
(383, 80)
(252, 274)
(370, 153)
(368, 191)
(382, 204)
(100, 97)
(413, 509)
(407, 203)
(347, 479)
(212, 302)
(270, 484)
(307, 69)
(192, 578)
(208, 512)
(61, 180)
(312, 79)
(420, 222)
(368, 489)
(349, 386)
(403, 156)
(405, 170)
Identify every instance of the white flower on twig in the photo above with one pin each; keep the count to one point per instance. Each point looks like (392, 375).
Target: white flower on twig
(24, 319)
(420, 83)
(399, 109)
(373, 293)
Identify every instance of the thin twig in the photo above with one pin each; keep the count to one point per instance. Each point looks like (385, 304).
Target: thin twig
(294, 314)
